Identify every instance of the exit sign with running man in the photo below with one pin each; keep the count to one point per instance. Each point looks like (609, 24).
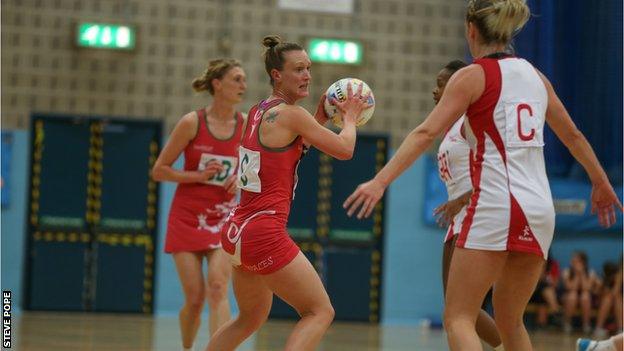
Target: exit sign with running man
(105, 36)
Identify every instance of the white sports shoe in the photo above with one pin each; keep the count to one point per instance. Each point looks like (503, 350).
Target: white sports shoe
(586, 345)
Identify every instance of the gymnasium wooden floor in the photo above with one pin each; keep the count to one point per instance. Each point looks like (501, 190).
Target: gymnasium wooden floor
(97, 332)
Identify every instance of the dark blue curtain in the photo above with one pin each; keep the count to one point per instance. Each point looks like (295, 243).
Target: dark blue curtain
(578, 45)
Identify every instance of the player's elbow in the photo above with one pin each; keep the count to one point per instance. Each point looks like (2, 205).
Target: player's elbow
(345, 155)
(573, 137)
(423, 135)
(345, 150)
(157, 173)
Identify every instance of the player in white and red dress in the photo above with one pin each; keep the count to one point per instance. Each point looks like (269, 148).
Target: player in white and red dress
(454, 168)
(205, 194)
(509, 223)
(266, 260)
(506, 127)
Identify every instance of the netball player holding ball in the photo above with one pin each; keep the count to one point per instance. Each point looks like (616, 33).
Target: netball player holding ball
(266, 260)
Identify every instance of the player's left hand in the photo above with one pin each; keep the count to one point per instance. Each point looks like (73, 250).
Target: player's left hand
(366, 195)
(447, 211)
(230, 184)
(321, 115)
(604, 203)
(352, 107)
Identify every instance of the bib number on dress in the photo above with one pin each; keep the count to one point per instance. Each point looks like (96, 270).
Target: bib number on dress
(229, 165)
(444, 168)
(524, 124)
(248, 169)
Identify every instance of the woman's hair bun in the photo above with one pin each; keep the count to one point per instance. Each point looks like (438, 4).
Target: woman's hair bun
(271, 41)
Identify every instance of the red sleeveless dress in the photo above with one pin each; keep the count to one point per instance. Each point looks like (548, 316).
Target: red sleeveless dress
(198, 210)
(255, 235)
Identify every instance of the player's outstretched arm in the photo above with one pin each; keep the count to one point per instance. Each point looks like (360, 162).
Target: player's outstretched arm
(463, 88)
(604, 200)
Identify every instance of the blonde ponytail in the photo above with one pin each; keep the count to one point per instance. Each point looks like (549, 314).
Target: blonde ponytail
(498, 20)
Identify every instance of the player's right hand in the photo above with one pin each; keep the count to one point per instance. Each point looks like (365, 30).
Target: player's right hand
(212, 167)
(448, 210)
(230, 184)
(365, 197)
(320, 115)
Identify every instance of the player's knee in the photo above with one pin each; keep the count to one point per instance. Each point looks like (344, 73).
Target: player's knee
(217, 291)
(508, 324)
(323, 312)
(448, 320)
(251, 321)
(195, 300)
(454, 322)
(327, 313)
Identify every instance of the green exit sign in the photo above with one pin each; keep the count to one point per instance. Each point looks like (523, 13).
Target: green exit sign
(105, 36)
(335, 51)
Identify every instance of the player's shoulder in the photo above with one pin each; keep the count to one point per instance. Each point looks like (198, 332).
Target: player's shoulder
(469, 80)
(467, 76)
(189, 119)
(472, 70)
(291, 111)
(287, 108)
(189, 124)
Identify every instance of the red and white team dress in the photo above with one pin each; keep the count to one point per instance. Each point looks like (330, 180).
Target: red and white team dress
(454, 169)
(199, 210)
(511, 206)
(255, 235)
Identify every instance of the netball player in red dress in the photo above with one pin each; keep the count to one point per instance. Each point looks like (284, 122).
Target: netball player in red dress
(266, 260)
(509, 222)
(209, 139)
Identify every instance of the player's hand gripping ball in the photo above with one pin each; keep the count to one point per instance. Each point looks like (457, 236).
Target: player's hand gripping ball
(338, 91)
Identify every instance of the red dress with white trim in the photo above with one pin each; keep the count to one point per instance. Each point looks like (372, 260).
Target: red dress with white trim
(198, 210)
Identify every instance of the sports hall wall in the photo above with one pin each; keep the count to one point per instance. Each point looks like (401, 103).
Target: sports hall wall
(406, 43)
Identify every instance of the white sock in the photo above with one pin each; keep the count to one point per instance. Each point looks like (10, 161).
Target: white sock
(499, 348)
(605, 345)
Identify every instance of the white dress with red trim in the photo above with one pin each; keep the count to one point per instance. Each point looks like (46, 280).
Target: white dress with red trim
(511, 208)
(454, 170)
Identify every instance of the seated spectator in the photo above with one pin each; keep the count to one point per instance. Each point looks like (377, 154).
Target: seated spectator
(579, 283)
(611, 299)
(545, 295)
